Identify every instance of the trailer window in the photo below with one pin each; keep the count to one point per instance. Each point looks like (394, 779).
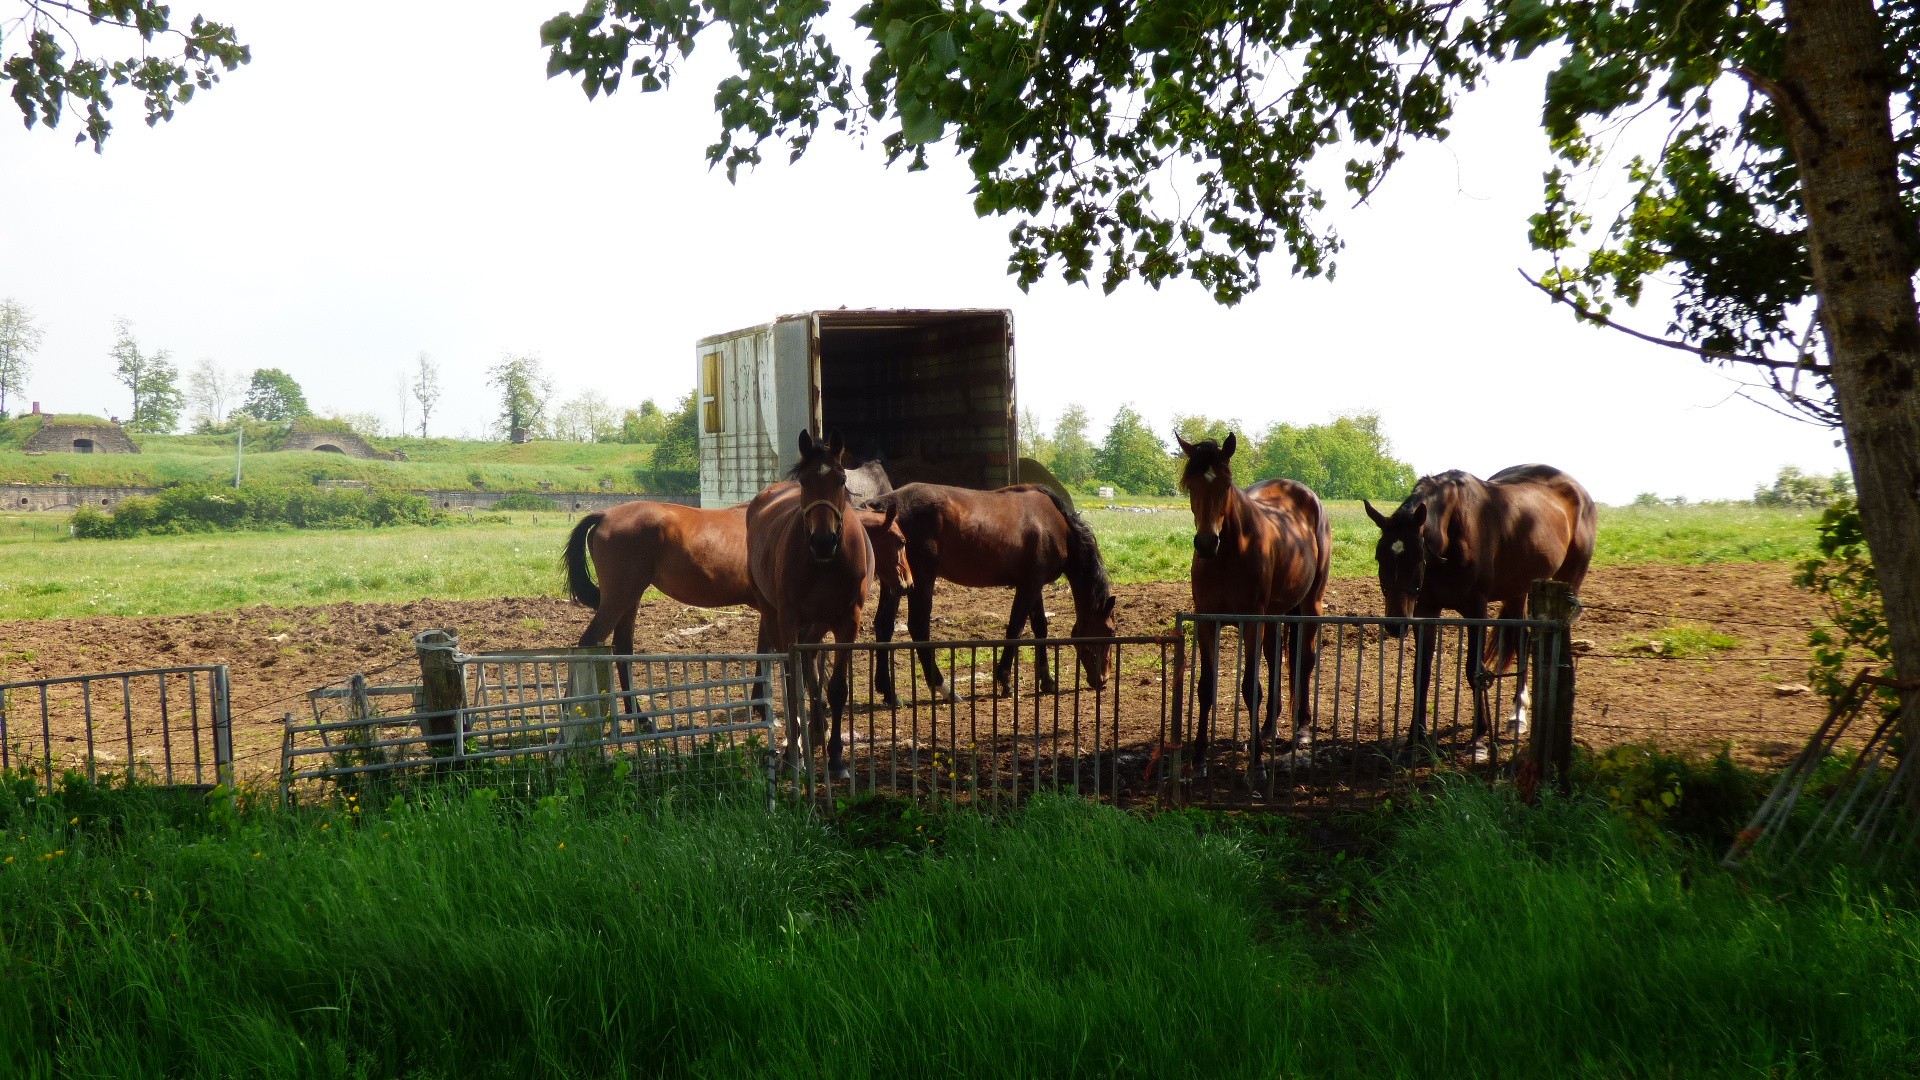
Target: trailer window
(710, 392)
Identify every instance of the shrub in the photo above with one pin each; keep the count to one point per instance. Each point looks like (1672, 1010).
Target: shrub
(1659, 793)
(1843, 579)
(193, 508)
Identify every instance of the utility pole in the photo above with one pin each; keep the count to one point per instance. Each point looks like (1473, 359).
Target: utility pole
(239, 438)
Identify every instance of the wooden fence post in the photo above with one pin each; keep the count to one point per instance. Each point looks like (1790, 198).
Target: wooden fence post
(443, 692)
(1551, 747)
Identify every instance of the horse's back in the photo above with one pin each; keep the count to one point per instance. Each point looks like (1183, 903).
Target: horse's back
(981, 539)
(1305, 534)
(1557, 510)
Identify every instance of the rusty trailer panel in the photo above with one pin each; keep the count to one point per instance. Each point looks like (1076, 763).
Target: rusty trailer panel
(928, 392)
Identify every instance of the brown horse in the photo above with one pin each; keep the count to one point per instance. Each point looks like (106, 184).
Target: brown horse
(1462, 543)
(1021, 537)
(1262, 551)
(811, 565)
(698, 557)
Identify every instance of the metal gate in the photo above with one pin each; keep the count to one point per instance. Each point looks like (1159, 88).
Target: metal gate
(1362, 718)
(157, 725)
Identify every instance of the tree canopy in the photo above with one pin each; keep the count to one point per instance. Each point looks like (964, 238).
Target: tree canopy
(152, 380)
(168, 63)
(273, 394)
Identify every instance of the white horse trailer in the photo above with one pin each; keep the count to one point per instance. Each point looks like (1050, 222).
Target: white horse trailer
(928, 393)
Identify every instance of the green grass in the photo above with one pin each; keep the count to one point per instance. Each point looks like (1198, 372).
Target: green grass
(43, 573)
(603, 937)
(431, 463)
(1684, 640)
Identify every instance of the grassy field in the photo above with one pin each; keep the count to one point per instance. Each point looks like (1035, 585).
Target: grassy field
(431, 463)
(43, 573)
(586, 936)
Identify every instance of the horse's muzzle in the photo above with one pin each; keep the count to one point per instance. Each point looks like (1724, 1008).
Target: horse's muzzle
(1206, 545)
(825, 549)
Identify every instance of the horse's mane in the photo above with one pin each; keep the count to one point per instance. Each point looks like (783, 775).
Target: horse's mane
(1431, 488)
(794, 472)
(1206, 450)
(1085, 567)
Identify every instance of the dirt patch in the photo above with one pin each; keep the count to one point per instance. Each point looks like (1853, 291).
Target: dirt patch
(1625, 693)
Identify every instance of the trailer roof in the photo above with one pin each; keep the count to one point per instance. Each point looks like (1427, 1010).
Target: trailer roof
(870, 319)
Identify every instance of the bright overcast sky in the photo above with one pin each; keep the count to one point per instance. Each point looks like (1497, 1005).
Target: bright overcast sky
(386, 179)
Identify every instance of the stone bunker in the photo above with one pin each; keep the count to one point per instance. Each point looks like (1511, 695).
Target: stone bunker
(80, 436)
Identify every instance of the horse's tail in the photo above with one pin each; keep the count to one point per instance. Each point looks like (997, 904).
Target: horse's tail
(579, 581)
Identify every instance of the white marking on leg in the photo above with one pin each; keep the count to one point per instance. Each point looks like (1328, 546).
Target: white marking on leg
(1522, 712)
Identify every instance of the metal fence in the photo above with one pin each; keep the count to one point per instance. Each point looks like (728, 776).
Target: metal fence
(1356, 718)
(158, 725)
(978, 743)
(526, 719)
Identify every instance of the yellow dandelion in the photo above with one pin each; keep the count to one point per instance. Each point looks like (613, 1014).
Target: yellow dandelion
(60, 851)
(256, 854)
(326, 825)
(9, 858)
(74, 821)
(563, 845)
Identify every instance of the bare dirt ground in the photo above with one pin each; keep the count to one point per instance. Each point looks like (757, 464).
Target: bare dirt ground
(1745, 696)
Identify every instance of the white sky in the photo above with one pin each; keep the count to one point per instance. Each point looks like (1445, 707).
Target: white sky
(392, 178)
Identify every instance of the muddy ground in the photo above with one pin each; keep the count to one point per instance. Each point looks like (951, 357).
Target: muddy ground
(1749, 696)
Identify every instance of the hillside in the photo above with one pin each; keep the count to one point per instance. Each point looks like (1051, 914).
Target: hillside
(431, 463)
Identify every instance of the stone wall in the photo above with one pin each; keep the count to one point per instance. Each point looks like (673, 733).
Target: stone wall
(339, 442)
(15, 497)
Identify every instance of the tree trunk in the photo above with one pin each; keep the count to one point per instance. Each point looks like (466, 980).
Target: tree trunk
(1833, 95)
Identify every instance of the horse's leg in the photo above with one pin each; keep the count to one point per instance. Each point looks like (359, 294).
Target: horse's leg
(1042, 673)
(1253, 642)
(1025, 597)
(1303, 649)
(1206, 634)
(1477, 677)
(1423, 650)
(920, 628)
(837, 692)
(885, 615)
(619, 605)
(1510, 651)
(623, 646)
(767, 644)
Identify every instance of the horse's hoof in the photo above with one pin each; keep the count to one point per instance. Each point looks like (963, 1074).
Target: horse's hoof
(1479, 753)
(1002, 688)
(839, 772)
(941, 692)
(1048, 686)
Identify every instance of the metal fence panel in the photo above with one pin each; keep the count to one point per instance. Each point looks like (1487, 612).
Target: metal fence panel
(1359, 728)
(697, 722)
(974, 744)
(157, 725)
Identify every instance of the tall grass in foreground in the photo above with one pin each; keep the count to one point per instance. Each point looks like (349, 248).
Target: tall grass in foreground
(478, 937)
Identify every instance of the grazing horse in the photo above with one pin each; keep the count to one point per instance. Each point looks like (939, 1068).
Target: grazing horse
(811, 565)
(1021, 537)
(1262, 551)
(1463, 543)
(698, 557)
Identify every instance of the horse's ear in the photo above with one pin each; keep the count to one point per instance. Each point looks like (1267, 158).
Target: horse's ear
(1106, 612)
(806, 442)
(1419, 515)
(1185, 446)
(834, 445)
(1378, 518)
(1226, 448)
(893, 511)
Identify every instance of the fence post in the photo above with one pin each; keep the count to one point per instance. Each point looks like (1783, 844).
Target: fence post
(443, 692)
(1550, 750)
(222, 727)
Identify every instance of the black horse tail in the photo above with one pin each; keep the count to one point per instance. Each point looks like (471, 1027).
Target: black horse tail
(579, 581)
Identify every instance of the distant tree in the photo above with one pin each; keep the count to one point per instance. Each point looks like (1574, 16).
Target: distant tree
(1795, 488)
(1348, 458)
(645, 425)
(273, 394)
(151, 378)
(426, 389)
(524, 390)
(587, 418)
(1034, 441)
(364, 424)
(1132, 458)
(1196, 428)
(1072, 452)
(19, 340)
(679, 446)
(209, 393)
(1648, 498)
